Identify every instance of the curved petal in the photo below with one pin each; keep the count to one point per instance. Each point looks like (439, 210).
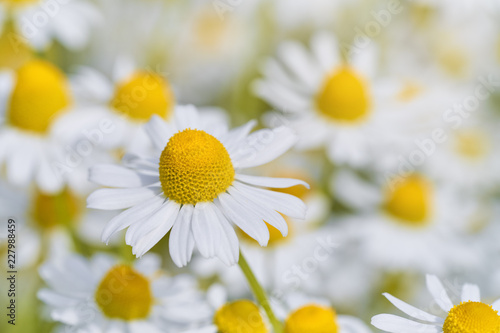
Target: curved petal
(111, 198)
(438, 292)
(413, 311)
(271, 181)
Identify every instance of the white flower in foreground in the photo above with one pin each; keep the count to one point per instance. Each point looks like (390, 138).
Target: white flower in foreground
(104, 295)
(31, 101)
(192, 186)
(469, 316)
(40, 23)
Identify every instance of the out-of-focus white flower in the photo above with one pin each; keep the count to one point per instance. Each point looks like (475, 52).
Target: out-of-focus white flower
(32, 100)
(470, 315)
(39, 23)
(416, 226)
(330, 102)
(105, 295)
(193, 187)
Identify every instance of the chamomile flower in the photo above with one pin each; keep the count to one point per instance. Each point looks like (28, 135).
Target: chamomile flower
(39, 24)
(104, 295)
(128, 101)
(193, 187)
(32, 100)
(330, 102)
(415, 226)
(468, 316)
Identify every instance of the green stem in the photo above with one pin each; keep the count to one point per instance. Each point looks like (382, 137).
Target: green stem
(260, 294)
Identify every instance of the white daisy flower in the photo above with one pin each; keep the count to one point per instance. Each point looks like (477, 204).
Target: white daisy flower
(31, 101)
(128, 101)
(105, 295)
(468, 316)
(39, 23)
(330, 102)
(192, 186)
(414, 225)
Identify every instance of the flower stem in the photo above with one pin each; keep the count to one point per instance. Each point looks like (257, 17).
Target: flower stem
(260, 294)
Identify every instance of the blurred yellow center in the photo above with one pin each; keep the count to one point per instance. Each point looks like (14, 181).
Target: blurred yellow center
(19, 2)
(240, 317)
(124, 294)
(453, 61)
(50, 210)
(409, 200)
(195, 167)
(40, 93)
(344, 97)
(472, 317)
(471, 144)
(409, 92)
(312, 319)
(143, 95)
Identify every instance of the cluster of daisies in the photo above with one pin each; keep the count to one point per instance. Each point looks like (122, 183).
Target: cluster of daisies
(251, 166)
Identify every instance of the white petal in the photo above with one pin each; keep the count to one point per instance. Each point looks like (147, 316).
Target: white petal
(229, 251)
(152, 222)
(282, 202)
(233, 137)
(471, 292)
(271, 181)
(413, 311)
(159, 132)
(349, 324)
(48, 180)
(21, 164)
(438, 292)
(131, 215)
(324, 47)
(268, 215)
(118, 176)
(110, 198)
(153, 237)
(205, 228)
(395, 324)
(180, 236)
(263, 146)
(298, 61)
(496, 305)
(245, 219)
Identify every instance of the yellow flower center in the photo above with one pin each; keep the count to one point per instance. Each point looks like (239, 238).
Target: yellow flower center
(50, 210)
(472, 317)
(409, 200)
(195, 167)
(14, 51)
(409, 92)
(124, 294)
(40, 93)
(144, 94)
(471, 144)
(240, 317)
(19, 2)
(344, 97)
(312, 319)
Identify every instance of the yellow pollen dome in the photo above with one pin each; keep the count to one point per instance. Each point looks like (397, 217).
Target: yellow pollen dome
(144, 94)
(312, 319)
(19, 2)
(241, 316)
(344, 97)
(40, 94)
(50, 210)
(124, 294)
(471, 144)
(410, 200)
(195, 167)
(472, 317)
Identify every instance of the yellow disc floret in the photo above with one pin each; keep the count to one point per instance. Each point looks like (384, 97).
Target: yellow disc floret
(472, 317)
(195, 167)
(410, 200)
(40, 93)
(312, 319)
(50, 210)
(240, 316)
(124, 294)
(144, 94)
(344, 97)
(471, 144)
